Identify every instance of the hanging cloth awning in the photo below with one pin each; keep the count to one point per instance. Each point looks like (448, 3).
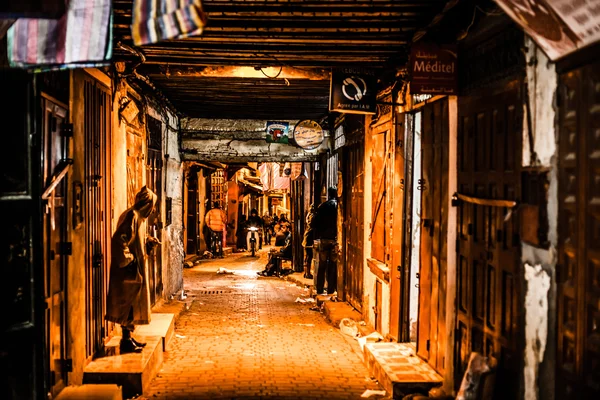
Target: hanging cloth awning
(158, 20)
(80, 38)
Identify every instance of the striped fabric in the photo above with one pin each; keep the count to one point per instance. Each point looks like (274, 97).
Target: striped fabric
(158, 20)
(80, 38)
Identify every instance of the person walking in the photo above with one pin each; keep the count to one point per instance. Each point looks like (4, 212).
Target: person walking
(308, 241)
(216, 221)
(128, 299)
(325, 230)
(267, 227)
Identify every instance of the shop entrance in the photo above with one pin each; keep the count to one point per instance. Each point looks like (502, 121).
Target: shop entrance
(55, 248)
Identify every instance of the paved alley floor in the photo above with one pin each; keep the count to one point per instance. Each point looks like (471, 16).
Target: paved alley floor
(245, 337)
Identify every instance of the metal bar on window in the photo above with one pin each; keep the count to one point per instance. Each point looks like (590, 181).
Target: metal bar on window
(486, 202)
(57, 178)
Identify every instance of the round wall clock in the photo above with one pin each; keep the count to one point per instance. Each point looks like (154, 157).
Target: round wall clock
(308, 134)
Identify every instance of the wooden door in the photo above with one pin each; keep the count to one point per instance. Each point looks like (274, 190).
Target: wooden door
(354, 223)
(578, 352)
(97, 125)
(488, 244)
(431, 336)
(154, 225)
(54, 244)
(396, 267)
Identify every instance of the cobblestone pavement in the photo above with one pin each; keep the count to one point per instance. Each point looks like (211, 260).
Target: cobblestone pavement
(245, 337)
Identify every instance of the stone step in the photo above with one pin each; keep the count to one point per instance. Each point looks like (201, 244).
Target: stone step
(132, 371)
(335, 311)
(91, 392)
(399, 370)
(162, 324)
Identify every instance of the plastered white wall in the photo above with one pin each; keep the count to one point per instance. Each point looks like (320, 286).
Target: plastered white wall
(536, 325)
(415, 255)
(542, 84)
(539, 264)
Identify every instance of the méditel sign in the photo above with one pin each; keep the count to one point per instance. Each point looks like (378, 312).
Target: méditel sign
(353, 91)
(433, 69)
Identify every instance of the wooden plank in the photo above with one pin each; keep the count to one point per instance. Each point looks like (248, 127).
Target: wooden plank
(443, 121)
(425, 285)
(397, 232)
(432, 117)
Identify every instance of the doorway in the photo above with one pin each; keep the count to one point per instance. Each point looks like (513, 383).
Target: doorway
(55, 249)
(154, 182)
(354, 223)
(97, 205)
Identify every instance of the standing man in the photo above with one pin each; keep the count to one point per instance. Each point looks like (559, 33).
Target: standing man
(325, 230)
(308, 241)
(216, 221)
(128, 300)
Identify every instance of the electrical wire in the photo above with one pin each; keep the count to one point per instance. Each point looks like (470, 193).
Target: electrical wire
(272, 77)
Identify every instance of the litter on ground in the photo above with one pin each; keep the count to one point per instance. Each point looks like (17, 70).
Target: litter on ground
(369, 393)
(373, 337)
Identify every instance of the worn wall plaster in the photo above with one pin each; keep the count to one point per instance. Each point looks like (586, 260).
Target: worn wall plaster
(536, 326)
(540, 264)
(228, 140)
(173, 253)
(542, 83)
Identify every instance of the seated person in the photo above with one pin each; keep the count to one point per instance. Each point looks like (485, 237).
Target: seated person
(281, 231)
(276, 255)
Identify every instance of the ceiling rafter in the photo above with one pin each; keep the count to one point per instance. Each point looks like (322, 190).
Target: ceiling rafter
(295, 34)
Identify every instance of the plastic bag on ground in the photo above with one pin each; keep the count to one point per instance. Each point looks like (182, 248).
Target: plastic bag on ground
(224, 271)
(349, 327)
(368, 393)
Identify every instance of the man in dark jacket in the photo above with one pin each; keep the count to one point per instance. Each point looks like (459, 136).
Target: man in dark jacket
(325, 230)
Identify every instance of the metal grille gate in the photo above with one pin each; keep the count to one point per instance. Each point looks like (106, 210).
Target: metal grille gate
(97, 114)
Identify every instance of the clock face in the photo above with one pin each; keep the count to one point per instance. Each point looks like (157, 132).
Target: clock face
(308, 134)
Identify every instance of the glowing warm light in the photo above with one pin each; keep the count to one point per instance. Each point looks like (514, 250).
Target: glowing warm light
(253, 72)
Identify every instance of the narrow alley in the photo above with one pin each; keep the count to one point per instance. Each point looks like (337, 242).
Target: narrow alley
(244, 336)
(298, 199)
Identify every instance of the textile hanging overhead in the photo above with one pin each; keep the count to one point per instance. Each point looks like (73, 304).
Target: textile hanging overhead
(158, 20)
(80, 38)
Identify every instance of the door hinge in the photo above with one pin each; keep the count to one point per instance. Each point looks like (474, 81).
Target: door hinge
(65, 248)
(428, 344)
(67, 130)
(67, 365)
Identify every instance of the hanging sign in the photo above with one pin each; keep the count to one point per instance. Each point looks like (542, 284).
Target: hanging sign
(353, 91)
(433, 69)
(559, 27)
(277, 132)
(308, 134)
